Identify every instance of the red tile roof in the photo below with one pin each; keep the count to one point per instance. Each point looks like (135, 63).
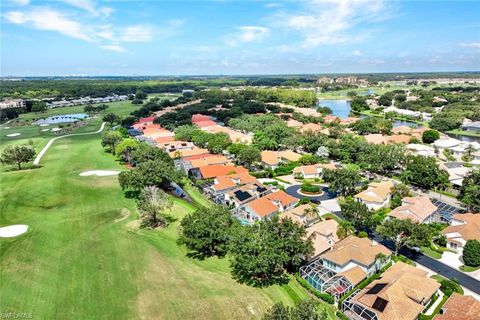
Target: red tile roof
(213, 171)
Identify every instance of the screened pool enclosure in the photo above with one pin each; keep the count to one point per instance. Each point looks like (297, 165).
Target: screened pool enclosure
(325, 280)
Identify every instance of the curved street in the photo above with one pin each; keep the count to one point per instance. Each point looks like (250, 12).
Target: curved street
(326, 195)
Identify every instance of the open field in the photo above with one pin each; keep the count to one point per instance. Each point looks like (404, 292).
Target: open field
(82, 256)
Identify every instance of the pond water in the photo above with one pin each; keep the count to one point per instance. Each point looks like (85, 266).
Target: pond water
(64, 118)
(340, 108)
(464, 138)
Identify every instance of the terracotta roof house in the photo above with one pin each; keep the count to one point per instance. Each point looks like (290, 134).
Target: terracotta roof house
(235, 136)
(292, 123)
(246, 193)
(324, 235)
(273, 158)
(312, 171)
(331, 118)
(188, 153)
(399, 138)
(375, 138)
(462, 227)
(155, 131)
(349, 121)
(311, 127)
(143, 122)
(459, 307)
(200, 117)
(173, 146)
(377, 195)
(222, 185)
(401, 293)
(345, 264)
(304, 214)
(418, 209)
(215, 170)
(402, 130)
(265, 207)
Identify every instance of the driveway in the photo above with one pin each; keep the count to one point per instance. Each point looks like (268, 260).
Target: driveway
(454, 260)
(436, 266)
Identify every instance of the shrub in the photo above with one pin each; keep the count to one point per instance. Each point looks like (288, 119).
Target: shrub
(471, 253)
(340, 315)
(310, 188)
(362, 234)
(430, 136)
(450, 286)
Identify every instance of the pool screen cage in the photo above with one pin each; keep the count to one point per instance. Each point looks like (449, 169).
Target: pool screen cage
(324, 279)
(356, 311)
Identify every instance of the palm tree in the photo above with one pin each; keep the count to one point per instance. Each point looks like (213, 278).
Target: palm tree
(381, 258)
(345, 228)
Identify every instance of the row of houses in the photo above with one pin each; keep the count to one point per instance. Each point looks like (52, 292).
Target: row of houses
(86, 100)
(12, 103)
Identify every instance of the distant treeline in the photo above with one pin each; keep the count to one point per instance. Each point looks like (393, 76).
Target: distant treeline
(66, 88)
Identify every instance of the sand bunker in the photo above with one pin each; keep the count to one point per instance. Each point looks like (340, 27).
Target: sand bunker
(43, 130)
(44, 125)
(13, 230)
(56, 129)
(6, 128)
(13, 134)
(99, 173)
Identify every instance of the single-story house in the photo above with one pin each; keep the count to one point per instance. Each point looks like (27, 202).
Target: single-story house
(312, 171)
(401, 293)
(462, 227)
(273, 159)
(418, 209)
(377, 195)
(459, 307)
(246, 193)
(215, 170)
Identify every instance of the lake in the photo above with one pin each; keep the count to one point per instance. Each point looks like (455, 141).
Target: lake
(340, 108)
(65, 118)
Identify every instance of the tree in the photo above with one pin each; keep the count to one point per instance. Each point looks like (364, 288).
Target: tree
(39, 106)
(150, 173)
(471, 253)
(110, 139)
(249, 155)
(263, 252)
(403, 232)
(304, 310)
(385, 100)
(111, 118)
(17, 154)
(468, 156)
(187, 132)
(207, 231)
(357, 214)
(470, 191)
(345, 228)
(152, 205)
(140, 95)
(342, 180)
(399, 191)
(124, 149)
(430, 136)
(424, 172)
(146, 152)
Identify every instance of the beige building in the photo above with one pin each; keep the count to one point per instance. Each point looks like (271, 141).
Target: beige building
(401, 293)
(12, 103)
(418, 209)
(462, 227)
(377, 195)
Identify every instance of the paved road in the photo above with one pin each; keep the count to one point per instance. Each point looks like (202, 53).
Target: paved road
(326, 195)
(51, 141)
(436, 266)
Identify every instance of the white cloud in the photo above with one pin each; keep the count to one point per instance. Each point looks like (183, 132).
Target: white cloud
(357, 53)
(51, 20)
(475, 45)
(90, 6)
(325, 22)
(137, 33)
(113, 47)
(248, 34)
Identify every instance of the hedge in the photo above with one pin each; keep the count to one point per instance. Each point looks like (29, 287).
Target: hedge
(310, 188)
(341, 315)
(327, 297)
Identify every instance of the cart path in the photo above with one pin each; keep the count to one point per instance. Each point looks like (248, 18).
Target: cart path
(50, 142)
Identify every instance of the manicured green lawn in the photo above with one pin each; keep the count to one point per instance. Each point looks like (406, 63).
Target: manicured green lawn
(465, 268)
(197, 196)
(431, 253)
(81, 258)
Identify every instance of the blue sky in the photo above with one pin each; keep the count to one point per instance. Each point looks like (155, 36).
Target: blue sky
(89, 37)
